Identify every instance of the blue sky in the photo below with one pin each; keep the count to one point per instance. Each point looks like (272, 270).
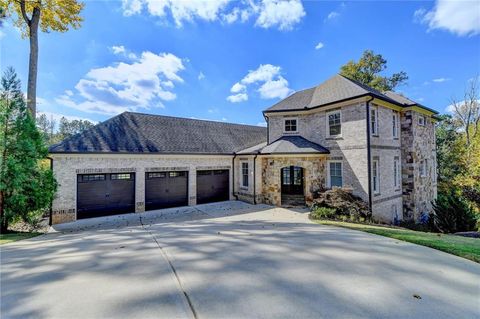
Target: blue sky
(228, 61)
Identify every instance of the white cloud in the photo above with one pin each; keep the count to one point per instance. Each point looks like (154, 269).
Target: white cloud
(235, 98)
(440, 80)
(238, 87)
(2, 34)
(267, 78)
(143, 83)
(333, 15)
(281, 14)
(459, 17)
(319, 46)
(118, 49)
(201, 76)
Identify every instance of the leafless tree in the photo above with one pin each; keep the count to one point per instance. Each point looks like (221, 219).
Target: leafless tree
(467, 112)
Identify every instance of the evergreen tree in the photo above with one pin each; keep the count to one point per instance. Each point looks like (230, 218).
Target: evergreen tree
(26, 182)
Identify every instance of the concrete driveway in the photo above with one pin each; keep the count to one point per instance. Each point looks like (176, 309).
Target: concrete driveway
(229, 260)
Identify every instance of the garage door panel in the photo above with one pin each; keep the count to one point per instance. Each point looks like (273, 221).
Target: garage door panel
(212, 186)
(105, 194)
(166, 189)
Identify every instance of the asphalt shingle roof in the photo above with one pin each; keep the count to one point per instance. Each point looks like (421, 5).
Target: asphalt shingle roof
(143, 133)
(335, 89)
(287, 145)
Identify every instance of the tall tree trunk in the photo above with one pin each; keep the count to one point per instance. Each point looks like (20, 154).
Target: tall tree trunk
(3, 220)
(33, 62)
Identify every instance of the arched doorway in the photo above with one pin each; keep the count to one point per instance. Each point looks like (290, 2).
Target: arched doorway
(292, 186)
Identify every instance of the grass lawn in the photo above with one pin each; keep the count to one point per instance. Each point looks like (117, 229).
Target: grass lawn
(14, 236)
(456, 245)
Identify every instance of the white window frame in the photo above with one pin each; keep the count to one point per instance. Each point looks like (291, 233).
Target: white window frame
(374, 125)
(423, 118)
(289, 119)
(329, 182)
(339, 111)
(376, 177)
(395, 124)
(396, 173)
(242, 174)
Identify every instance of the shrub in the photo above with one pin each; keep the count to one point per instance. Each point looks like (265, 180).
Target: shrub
(343, 205)
(453, 214)
(323, 213)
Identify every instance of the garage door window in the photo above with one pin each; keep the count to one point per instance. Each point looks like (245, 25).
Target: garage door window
(177, 174)
(204, 173)
(156, 175)
(121, 176)
(93, 178)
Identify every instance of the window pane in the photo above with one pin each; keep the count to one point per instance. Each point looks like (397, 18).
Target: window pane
(336, 181)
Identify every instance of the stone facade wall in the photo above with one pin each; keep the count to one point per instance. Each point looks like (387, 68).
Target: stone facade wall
(66, 167)
(313, 174)
(418, 143)
(246, 194)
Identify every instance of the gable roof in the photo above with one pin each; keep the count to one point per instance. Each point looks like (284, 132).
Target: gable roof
(336, 89)
(144, 133)
(287, 145)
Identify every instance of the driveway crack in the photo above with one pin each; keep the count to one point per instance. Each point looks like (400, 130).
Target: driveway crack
(174, 271)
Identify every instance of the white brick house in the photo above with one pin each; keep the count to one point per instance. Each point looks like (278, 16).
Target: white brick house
(337, 134)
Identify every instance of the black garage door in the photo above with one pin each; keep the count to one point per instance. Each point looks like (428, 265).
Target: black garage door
(212, 186)
(166, 189)
(105, 194)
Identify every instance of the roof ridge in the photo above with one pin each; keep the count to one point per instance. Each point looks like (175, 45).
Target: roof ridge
(191, 119)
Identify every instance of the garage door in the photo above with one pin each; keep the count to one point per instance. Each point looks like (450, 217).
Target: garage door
(166, 189)
(212, 186)
(105, 194)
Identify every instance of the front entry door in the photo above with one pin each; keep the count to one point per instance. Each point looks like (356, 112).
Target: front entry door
(292, 180)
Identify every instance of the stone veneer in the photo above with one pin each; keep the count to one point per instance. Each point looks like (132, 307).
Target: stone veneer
(313, 174)
(418, 143)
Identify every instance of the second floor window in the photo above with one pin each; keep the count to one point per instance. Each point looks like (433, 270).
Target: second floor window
(395, 124)
(334, 123)
(290, 125)
(374, 120)
(244, 174)
(421, 120)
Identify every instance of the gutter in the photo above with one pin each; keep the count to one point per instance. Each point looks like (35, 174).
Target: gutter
(369, 155)
(254, 180)
(268, 130)
(233, 176)
(51, 203)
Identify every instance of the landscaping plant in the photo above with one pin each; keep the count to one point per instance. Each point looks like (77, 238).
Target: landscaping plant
(27, 184)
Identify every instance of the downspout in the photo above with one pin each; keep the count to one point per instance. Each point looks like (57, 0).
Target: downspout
(268, 131)
(369, 155)
(51, 203)
(255, 180)
(233, 176)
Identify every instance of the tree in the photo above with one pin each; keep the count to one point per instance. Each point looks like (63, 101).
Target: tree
(467, 112)
(46, 127)
(368, 71)
(50, 15)
(26, 183)
(70, 128)
(449, 150)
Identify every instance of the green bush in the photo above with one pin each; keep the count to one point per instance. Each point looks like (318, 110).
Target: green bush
(323, 213)
(453, 214)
